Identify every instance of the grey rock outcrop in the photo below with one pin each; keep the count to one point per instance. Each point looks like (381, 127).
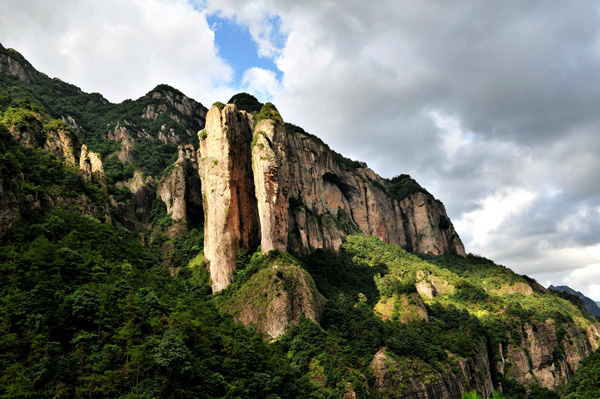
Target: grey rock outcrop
(13, 63)
(538, 357)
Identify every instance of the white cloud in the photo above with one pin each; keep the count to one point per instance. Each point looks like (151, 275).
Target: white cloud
(260, 82)
(119, 48)
(255, 15)
(495, 210)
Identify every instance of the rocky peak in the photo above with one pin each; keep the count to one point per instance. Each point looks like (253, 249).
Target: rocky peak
(169, 95)
(13, 63)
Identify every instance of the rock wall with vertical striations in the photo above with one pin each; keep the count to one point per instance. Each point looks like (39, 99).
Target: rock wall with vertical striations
(230, 212)
(279, 185)
(272, 183)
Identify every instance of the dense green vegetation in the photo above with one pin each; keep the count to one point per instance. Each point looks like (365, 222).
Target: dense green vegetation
(403, 186)
(246, 102)
(268, 111)
(96, 118)
(86, 310)
(586, 383)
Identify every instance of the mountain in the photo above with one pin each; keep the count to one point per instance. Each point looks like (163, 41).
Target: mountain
(157, 248)
(589, 304)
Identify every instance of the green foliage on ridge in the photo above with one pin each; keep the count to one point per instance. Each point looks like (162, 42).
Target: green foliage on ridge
(96, 118)
(246, 102)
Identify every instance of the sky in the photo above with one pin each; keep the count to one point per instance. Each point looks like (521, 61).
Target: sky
(494, 107)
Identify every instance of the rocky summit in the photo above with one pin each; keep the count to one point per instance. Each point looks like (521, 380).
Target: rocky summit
(156, 248)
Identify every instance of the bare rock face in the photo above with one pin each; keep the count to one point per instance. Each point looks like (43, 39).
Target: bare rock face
(179, 104)
(143, 189)
(61, 143)
(280, 181)
(275, 298)
(414, 379)
(537, 358)
(330, 199)
(179, 187)
(272, 183)
(13, 63)
(230, 212)
(120, 132)
(91, 166)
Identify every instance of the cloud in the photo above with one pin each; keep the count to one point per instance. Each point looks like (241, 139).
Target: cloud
(260, 82)
(588, 278)
(119, 48)
(262, 23)
(495, 210)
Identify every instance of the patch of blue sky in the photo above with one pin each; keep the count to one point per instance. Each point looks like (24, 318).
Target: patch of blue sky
(238, 48)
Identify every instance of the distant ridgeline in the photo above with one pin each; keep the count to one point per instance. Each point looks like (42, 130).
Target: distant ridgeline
(589, 303)
(134, 238)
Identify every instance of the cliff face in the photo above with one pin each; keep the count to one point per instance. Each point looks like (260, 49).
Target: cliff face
(181, 186)
(407, 378)
(331, 200)
(537, 356)
(272, 182)
(301, 196)
(230, 209)
(13, 63)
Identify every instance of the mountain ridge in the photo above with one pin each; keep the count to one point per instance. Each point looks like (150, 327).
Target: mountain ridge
(589, 303)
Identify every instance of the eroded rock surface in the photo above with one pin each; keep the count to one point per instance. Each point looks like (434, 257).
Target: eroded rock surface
(91, 166)
(272, 183)
(230, 211)
(181, 185)
(300, 195)
(539, 358)
(410, 378)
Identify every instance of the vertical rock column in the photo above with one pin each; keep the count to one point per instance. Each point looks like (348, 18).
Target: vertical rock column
(231, 220)
(272, 182)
